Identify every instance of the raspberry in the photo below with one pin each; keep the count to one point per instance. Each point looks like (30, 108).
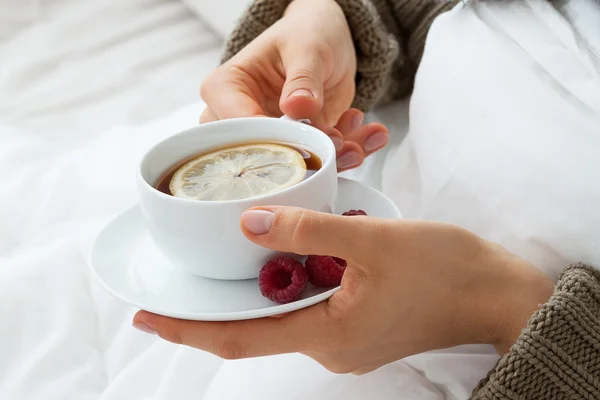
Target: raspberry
(325, 271)
(282, 280)
(353, 213)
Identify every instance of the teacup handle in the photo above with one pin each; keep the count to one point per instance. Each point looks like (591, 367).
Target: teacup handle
(304, 121)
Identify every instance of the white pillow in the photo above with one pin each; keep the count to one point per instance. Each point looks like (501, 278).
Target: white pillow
(221, 15)
(505, 133)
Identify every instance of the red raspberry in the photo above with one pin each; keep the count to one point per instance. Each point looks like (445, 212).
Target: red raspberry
(325, 271)
(353, 213)
(282, 280)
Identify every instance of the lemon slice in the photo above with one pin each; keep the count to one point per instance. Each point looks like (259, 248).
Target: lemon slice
(239, 173)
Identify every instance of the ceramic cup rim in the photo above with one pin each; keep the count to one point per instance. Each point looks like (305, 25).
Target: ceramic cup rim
(326, 163)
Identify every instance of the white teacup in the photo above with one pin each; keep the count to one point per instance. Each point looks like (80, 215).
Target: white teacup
(204, 237)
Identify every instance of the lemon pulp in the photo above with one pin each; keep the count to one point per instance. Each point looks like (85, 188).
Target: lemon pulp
(239, 172)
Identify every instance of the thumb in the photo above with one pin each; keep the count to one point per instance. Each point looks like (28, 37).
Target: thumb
(302, 94)
(300, 231)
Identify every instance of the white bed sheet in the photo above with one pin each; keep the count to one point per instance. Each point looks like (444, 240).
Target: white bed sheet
(84, 67)
(68, 76)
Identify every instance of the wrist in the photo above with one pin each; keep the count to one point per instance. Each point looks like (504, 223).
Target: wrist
(532, 291)
(514, 292)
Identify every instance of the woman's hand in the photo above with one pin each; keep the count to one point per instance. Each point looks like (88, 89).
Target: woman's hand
(409, 287)
(303, 66)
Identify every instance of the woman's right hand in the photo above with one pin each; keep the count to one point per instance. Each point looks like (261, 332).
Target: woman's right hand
(410, 287)
(303, 66)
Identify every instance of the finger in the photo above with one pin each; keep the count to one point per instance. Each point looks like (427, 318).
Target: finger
(302, 94)
(334, 134)
(301, 231)
(350, 121)
(350, 157)
(228, 95)
(371, 137)
(208, 116)
(242, 339)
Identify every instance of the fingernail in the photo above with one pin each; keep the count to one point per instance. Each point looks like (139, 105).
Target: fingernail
(348, 160)
(301, 93)
(357, 120)
(375, 141)
(258, 222)
(143, 327)
(338, 142)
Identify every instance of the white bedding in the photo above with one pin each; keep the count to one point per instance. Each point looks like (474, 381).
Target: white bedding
(72, 82)
(83, 67)
(97, 85)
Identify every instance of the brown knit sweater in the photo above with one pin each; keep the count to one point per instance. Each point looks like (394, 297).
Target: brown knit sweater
(558, 355)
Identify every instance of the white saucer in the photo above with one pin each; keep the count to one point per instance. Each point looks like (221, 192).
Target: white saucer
(128, 265)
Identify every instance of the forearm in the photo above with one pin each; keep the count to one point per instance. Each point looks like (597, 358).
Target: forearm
(558, 355)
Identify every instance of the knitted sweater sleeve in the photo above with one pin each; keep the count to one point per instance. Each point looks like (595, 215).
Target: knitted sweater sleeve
(558, 355)
(389, 36)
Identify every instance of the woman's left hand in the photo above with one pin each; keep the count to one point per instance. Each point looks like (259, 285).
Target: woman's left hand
(360, 141)
(409, 287)
(355, 141)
